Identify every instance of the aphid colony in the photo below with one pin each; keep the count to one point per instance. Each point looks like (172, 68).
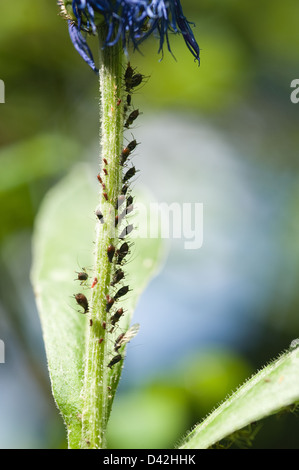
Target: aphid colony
(123, 207)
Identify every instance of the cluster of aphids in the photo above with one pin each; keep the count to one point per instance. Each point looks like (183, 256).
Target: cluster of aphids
(131, 81)
(123, 207)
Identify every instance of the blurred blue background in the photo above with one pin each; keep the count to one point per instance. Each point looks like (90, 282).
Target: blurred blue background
(224, 134)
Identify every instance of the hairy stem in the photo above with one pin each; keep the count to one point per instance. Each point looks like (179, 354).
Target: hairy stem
(96, 392)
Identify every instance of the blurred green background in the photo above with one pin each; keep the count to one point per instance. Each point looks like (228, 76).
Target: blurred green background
(224, 134)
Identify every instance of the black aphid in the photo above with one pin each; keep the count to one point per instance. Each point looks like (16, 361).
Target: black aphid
(124, 155)
(122, 252)
(124, 189)
(115, 360)
(116, 316)
(129, 201)
(82, 276)
(117, 343)
(132, 145)
(110, 252)
(129, 174)
(109, 302)
(132, 117)
(82, 301)
(121, 292)
(129, 72)
(117, 277)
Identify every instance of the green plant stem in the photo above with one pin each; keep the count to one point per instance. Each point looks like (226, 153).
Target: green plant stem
(96, 392)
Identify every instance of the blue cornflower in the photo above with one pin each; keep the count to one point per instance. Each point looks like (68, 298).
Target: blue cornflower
(130, 21)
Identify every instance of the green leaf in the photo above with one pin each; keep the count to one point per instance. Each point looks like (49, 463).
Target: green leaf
(34, 159)
(63, 244)
(272, 389)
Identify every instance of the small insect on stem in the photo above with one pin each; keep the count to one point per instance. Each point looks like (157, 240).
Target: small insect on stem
(132, 117)
(128, 102)
(115, 360)
(94, 282)
(82, 276)
(117, 277)
(130, 201)
(129, 72)
(127, 151)
(129, 174)
(134, 81)
(117, 343)
(121, 292)
(124, 189)
(116, 316)
(122, 252)
(109, 302)
(110, 252)
(82, 301)
(99, 178)
(132, 145)
(126, 337)
(124, 156)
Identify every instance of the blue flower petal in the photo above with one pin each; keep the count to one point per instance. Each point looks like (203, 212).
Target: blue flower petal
(81, 45)
(184, 28)
(132, 21)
